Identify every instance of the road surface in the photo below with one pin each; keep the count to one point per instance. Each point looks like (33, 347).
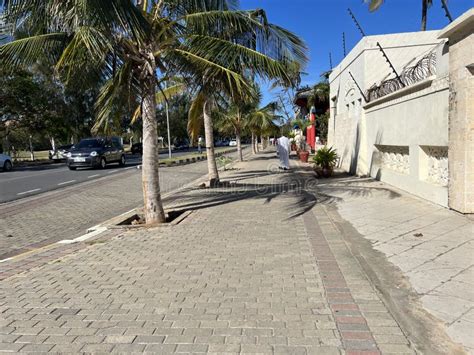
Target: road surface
(28, 181)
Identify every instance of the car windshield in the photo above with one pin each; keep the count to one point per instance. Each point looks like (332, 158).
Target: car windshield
(90, 143)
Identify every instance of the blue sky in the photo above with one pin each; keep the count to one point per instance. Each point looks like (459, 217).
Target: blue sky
(321, 23)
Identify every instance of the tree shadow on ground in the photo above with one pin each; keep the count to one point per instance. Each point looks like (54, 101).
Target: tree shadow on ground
(302, 189)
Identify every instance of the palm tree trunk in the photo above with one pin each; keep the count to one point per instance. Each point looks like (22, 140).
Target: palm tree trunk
(153, 208)
(253, 144)
(209, 133)
(424, 12)
(239, 145)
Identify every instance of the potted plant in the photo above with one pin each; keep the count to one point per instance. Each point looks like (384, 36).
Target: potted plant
(293, 145)
(326, 158)
(303, 153)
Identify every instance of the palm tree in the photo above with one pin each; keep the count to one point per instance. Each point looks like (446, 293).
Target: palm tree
(134, 47)
(260, 122)
(319, 93)
(261, 49)
(425, 4)
(232, 122)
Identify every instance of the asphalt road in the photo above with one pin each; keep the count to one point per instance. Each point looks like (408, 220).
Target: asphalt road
(28, 181)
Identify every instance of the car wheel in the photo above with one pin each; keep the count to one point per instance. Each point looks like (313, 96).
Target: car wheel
(7, 166)
(103, 163)
(72, 167)
(122, 160)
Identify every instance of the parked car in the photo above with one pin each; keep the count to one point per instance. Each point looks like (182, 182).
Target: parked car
(232, 143)
(96, 152)
(60, 152)
(222, 143)
(137, 148)
(6, 162)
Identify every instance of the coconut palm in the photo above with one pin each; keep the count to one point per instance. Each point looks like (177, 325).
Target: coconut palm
(260, 122)
(134, 47)
(425, 4)
(261, 49)
(231, 122)
(319, 93)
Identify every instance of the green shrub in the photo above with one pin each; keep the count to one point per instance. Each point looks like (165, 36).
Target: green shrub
(326, 157)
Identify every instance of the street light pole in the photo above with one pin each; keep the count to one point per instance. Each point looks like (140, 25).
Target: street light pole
(168, 128)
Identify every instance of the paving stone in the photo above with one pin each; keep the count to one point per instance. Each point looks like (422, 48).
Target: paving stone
(395, 348)
(224, 348)
(192, 348)
(287, 350)
(97, 348)
(67, 348)
(36, 348)
(160, 348)
(10, 347)
(129, 348)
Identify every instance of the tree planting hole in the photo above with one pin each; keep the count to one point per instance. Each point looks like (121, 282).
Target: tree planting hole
(139, 218)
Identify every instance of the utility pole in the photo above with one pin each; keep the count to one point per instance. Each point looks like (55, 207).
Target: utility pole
(168, 127)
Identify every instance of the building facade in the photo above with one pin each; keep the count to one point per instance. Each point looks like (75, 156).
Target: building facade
(402, 112)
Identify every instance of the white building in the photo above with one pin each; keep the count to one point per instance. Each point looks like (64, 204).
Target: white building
(398, 128)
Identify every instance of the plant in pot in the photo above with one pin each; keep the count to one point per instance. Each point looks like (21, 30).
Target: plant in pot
(326, 159)
(303, 153)
(293, 145)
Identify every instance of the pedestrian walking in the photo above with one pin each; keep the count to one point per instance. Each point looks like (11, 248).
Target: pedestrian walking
(283, 148)
(200, 141)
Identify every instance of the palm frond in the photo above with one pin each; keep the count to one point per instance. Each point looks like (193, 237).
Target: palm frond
(115, 98)
(374, 5)
(195, 115)
(160, 97)
(237, 57)
(88, 48)
(234, 82)
(27, 51)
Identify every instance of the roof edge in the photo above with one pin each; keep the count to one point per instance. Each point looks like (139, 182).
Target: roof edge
(459, 24)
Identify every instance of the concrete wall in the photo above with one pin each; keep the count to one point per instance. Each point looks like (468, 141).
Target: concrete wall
(461, 113)
(412, 129)
(401, 138)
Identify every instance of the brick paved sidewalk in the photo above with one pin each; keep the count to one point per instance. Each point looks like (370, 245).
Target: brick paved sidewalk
(258, 267)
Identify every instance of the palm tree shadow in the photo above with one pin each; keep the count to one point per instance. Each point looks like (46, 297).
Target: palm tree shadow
(302, 189)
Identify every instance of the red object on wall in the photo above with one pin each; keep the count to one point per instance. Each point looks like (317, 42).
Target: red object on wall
(311, 132)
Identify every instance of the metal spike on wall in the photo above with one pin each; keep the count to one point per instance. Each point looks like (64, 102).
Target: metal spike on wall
(356, 22)
(390, 64)
(444, 5)
(330, 60)
(344, 43)
(358, 87)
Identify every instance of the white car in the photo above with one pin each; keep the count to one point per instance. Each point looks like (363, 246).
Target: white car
(232, 143)
(6, 162)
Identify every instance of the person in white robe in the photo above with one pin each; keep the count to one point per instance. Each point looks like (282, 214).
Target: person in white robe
(283, 147)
